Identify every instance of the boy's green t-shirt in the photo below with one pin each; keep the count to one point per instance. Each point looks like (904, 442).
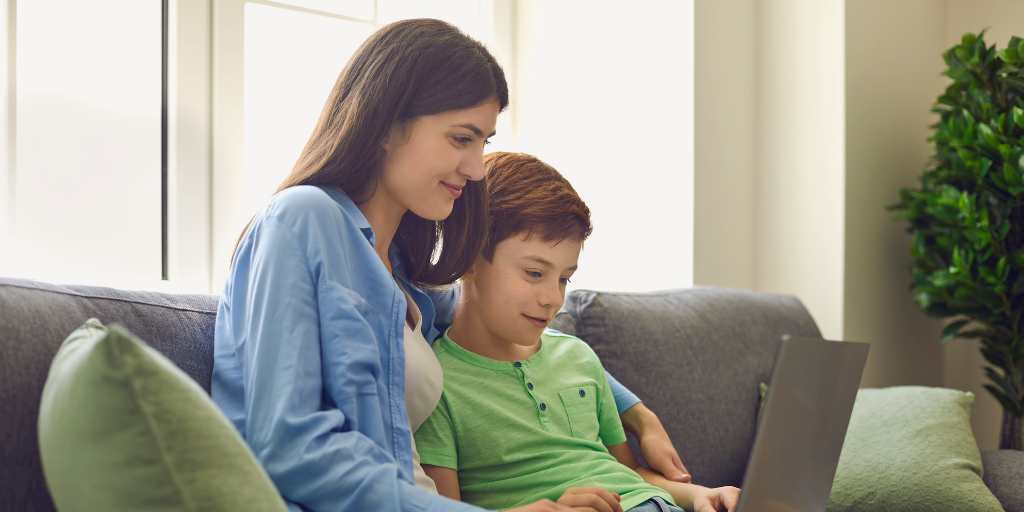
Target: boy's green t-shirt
(518, 432)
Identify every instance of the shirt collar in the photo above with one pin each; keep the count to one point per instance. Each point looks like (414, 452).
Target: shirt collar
(352, 211)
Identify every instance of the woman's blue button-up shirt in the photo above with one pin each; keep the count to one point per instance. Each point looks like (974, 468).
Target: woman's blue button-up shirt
(308, 357)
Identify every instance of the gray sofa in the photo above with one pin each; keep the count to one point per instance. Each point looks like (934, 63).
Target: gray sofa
(695, 356)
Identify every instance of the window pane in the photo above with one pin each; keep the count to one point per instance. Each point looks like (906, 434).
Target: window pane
(474, 17)
(292, 59)
(362, 9)
(87, 177)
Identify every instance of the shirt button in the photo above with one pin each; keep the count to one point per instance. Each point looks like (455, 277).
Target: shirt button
(543, 406)
(529, 385)
(517, 364)
(583, 393)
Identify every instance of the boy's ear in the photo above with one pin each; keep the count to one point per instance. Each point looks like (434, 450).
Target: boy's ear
(472, 270)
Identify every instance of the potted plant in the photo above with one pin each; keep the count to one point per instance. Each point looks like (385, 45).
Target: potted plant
(967, 217)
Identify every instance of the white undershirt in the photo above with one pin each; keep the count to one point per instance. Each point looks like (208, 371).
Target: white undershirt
(423, 385)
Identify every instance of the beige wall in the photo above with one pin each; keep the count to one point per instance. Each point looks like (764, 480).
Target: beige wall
(798, 212)
(768, 174)
(809, 117)
(723, 246)
(893, 75)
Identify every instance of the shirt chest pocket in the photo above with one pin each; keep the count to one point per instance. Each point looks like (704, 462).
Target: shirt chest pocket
(580, 403)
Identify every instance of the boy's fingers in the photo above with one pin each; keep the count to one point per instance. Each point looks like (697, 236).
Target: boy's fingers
(581, 502)
(594, 498)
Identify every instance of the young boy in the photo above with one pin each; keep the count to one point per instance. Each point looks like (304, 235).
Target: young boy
(526, 413)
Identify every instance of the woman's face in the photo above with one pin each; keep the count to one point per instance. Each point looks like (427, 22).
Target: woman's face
(431, 158)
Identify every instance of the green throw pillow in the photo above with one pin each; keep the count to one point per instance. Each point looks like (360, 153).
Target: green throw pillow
(910, 449)
(122, 428)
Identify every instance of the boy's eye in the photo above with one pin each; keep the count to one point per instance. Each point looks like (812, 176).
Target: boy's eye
(534, 274)
(462, 140)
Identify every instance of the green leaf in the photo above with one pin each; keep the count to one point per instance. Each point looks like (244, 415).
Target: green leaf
(1005, 401)
(987, 136)
(984, 167)
(1011, 176)
(951, 330)
(1018, 116)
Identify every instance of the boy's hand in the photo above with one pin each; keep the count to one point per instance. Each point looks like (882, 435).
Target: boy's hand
(719, 499)
(590, 499)
(541, 506)
(577, 499)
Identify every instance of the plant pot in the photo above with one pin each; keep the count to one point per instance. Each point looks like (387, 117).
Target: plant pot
(1010, 435)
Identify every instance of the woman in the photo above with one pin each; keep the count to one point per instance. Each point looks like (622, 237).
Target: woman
(335, 281)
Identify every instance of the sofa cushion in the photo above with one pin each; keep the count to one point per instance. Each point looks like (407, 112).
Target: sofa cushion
(725, 340)
(122, 428)
(911, 448)
(36, 317)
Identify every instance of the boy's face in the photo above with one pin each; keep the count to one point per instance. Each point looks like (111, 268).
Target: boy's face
(518, 292)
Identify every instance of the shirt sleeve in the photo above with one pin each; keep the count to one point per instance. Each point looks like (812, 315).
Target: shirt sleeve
(305, 442)
(624, 398)
(611, 431)
(435, 440)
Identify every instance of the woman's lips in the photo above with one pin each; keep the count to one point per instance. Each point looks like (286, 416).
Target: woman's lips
(452, 189)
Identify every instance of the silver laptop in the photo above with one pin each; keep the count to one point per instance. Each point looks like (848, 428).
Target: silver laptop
(802, 426)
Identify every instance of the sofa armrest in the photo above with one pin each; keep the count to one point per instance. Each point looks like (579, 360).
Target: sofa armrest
(1004, 471)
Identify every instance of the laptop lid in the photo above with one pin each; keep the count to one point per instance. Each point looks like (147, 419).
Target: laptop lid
(802, 425)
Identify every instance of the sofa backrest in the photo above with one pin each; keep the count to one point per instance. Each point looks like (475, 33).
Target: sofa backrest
(695, 357)
(36, 317)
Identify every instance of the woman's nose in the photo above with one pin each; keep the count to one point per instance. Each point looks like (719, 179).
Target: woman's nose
(473, 167)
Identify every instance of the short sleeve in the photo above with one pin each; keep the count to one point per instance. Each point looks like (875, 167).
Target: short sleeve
(611, 431)
(435, 440)
(624, 398)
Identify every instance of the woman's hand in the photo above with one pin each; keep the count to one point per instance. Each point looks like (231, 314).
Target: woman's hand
(719, 499)
(657, 448)
(577, 499)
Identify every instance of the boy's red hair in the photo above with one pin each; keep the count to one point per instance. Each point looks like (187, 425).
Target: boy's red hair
(527, 196)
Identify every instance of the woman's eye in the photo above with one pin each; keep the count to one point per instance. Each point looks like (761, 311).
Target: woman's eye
(565, 281)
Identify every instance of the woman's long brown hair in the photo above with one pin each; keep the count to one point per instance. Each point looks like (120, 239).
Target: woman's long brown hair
(404, 70)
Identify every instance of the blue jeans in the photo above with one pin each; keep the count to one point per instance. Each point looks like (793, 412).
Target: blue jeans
(655, 505)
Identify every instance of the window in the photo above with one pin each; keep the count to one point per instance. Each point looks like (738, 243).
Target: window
(91, 105)
(82, 141)
(275, 64)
